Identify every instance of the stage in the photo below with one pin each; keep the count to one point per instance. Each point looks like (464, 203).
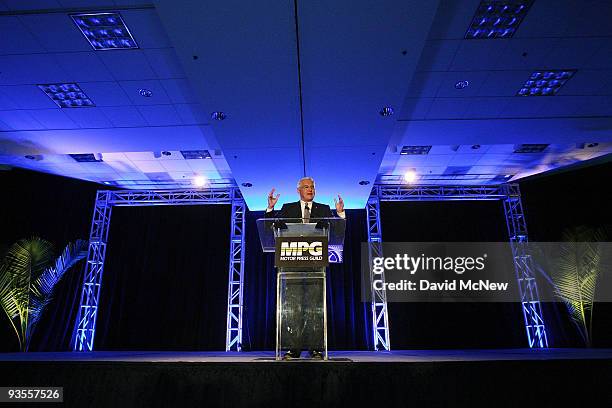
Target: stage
(509, 377)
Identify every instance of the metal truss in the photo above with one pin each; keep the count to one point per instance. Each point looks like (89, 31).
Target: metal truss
(524, 267)
(85, 325)
(517, 231)
(380, 321)
(233, 339)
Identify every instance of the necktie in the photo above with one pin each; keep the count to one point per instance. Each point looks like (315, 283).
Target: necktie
(306, 213)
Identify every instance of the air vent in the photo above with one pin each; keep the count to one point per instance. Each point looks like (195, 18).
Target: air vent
(497, 19)
(85, 158)
(406, 150)
(195, 154)
(530, 148)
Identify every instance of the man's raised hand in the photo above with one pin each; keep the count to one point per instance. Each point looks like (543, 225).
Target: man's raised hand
(272, 199)
(339, 204)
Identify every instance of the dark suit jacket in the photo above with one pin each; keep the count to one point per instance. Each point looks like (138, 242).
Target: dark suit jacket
(294, 210)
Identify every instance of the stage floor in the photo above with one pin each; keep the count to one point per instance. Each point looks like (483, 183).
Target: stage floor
(399, 356)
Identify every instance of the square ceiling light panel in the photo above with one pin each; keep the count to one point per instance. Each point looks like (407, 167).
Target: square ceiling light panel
(69, 95)
(105, 31)
(195, 154)
(545, 83)
(497, 19)
(410, 150)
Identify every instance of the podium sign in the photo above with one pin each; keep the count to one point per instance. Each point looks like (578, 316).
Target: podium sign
(298, 252)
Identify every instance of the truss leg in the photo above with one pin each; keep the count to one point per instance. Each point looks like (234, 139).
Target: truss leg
(523, 264)
(233, 340)
(85, 325)
(380, 320)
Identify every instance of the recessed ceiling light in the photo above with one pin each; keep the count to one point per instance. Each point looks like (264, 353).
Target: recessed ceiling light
(147, 93)
(105, 31)
(462, 84)
(85, 158)
(32, 157)
(218, 116)
(166, 153)
(592, 144)
(247, 185)
(68, 95)
(530, 148)
(386, 111)
(195, 154)
(476, 147)
(497, 19)
(364, 182)
(545, 83)
(406, 150)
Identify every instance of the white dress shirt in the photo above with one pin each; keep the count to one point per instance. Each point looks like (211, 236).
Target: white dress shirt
(303, 204)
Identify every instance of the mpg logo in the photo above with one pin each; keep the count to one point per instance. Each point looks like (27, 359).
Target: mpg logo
(302, 252)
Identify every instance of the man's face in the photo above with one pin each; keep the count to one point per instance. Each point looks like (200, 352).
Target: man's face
(306, 190)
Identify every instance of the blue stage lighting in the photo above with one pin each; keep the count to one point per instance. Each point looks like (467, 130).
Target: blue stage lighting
(415, 150)
(195, 154)
(497, 19)
(105, 31)
(545, 83)
(67, 95)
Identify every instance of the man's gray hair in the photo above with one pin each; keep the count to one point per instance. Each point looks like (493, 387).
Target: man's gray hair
(305, 178)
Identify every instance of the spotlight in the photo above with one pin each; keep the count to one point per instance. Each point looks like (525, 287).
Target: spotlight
(147, 93)
(410, 176)
(218, 116)
(386, 111)
(199, 181)
(462, 84)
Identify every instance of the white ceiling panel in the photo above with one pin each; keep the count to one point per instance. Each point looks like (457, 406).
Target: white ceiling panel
(191, 114)
(164, 62)
(88, 117)
(478, 55)
(595, 106)
(54, 118)
(123, 116)
(589, 82)
(179, 90)
(31, 69)
(105, 93)
(449, 80)
(83, 67)
(452, 19)
(16, 38)
(160, 115)
(437, 55)
(139, 156)
(425, 84)
(484, 107)
(592, 20)
(6, 103)
(176, 165)
(522, 107)
(146, 28)
(548, 19)
(602, 58)
(528, 54)
(148, 166)
(127, 64)
(15, 5)
(576, 53)
(415, 108)
(158, 96)
(447, 108)
(20, 120)
(503, 83)
(56, 32)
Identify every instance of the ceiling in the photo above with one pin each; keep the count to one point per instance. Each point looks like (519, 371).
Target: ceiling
(301, 85)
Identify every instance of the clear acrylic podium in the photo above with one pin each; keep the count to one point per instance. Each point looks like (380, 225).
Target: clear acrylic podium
(301, 307)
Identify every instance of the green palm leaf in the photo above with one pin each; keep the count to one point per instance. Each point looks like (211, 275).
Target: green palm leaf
(27, 281)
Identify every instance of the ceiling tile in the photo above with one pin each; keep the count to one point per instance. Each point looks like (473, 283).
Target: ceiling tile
(415, 108)
(602, 58)
(176, 165)
(149, 166)
(547, 19)
(482, 108)
(56, 32)
(575, 53)
(160, 115)
(437, 55)
(16, 38)
(503, 83)
(478, 55)
(465, 159)
(517, 107)
(83, 66)
(587, 82)
(201, 165)
(88, 117)
(447, 108)
(191, 114)
(146, 28)
(425, 84)
(89, 3)
(492, 159)
(5, 102)
(164, 62)
(132, 88)
(31, 69)
(15, 5)
(114, 156)
(53, 118)
(179, 90)
(127, 64)
(124, 116)
(105, 93)
(20, 120)
(140, 156)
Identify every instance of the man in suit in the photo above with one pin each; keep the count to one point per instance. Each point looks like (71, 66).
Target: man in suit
(304, 209)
